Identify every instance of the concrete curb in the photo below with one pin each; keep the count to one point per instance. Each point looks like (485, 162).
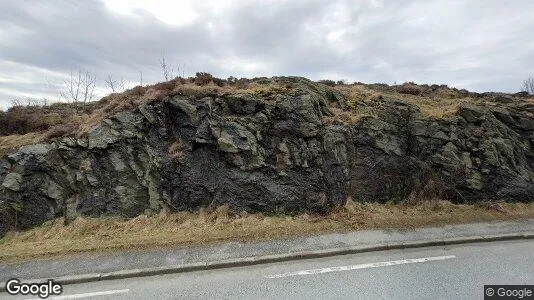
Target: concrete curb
(248, 261)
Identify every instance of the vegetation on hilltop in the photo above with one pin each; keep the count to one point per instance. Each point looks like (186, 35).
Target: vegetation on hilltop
(26, 124)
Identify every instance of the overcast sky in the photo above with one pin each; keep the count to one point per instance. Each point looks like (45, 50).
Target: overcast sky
(480, 45)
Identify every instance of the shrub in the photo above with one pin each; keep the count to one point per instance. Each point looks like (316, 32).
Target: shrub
(327, 82)
(522, 94)
(165, 86)
(21, 120)
(261, 80)
(138, 91)
(242, 83)
(203, 78)
(60, 130)
(231, 80)
(410, 89)
(218, 81)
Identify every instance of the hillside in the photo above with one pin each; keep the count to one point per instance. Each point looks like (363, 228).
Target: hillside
(278, 145)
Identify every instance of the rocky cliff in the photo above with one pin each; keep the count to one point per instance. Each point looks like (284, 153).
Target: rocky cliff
(302, 147)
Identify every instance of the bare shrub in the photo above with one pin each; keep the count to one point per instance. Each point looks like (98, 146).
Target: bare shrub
(16, 103)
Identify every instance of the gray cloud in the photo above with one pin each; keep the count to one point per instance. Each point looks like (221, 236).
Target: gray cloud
(480, 45)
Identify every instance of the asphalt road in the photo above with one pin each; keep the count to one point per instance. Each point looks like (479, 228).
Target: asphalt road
(451, 272)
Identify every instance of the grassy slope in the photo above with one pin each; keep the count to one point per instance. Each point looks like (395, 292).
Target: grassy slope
(221, 224)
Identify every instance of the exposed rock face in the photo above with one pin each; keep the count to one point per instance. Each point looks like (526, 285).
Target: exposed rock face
(271, 154)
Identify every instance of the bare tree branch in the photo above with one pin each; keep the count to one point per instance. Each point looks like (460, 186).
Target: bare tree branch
(528, 86)
(168, 74)
(115, 85)
(88, 85)
(111, 83)
(16, 102)
(32, 102)
(79, 87)
(71, 89)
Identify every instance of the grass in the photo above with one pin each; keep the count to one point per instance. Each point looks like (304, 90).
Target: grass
(11, 143)
(222, 224)
(438, 105)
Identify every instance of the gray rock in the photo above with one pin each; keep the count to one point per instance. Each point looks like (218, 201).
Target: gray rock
(226, 144)
(471, 113)
(102, 136)
(186, 107)
(54, 190)
(12, 182)
(145, 111)
(242, 104)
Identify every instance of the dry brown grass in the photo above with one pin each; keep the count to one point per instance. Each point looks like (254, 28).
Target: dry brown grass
(436, 108)
(222, 224)
(439, 105)
(11, 143)
(343, 117)
(357, 94)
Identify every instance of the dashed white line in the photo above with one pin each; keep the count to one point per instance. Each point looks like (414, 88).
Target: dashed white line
(362, 266)
(87, 295)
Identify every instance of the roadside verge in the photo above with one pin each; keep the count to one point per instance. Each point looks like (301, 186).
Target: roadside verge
(129, 264)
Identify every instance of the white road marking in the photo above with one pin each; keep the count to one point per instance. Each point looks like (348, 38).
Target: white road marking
(362, 266)
(87, 295)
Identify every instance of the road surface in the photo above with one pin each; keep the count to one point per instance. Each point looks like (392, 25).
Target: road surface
(451, 272)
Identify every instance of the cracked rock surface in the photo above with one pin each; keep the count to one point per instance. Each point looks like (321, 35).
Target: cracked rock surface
(273, 154)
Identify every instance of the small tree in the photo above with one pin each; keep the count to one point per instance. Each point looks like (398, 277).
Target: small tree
(79, 87)
(203, 78)
(168, 72)
(528, 85)
(115, 85)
